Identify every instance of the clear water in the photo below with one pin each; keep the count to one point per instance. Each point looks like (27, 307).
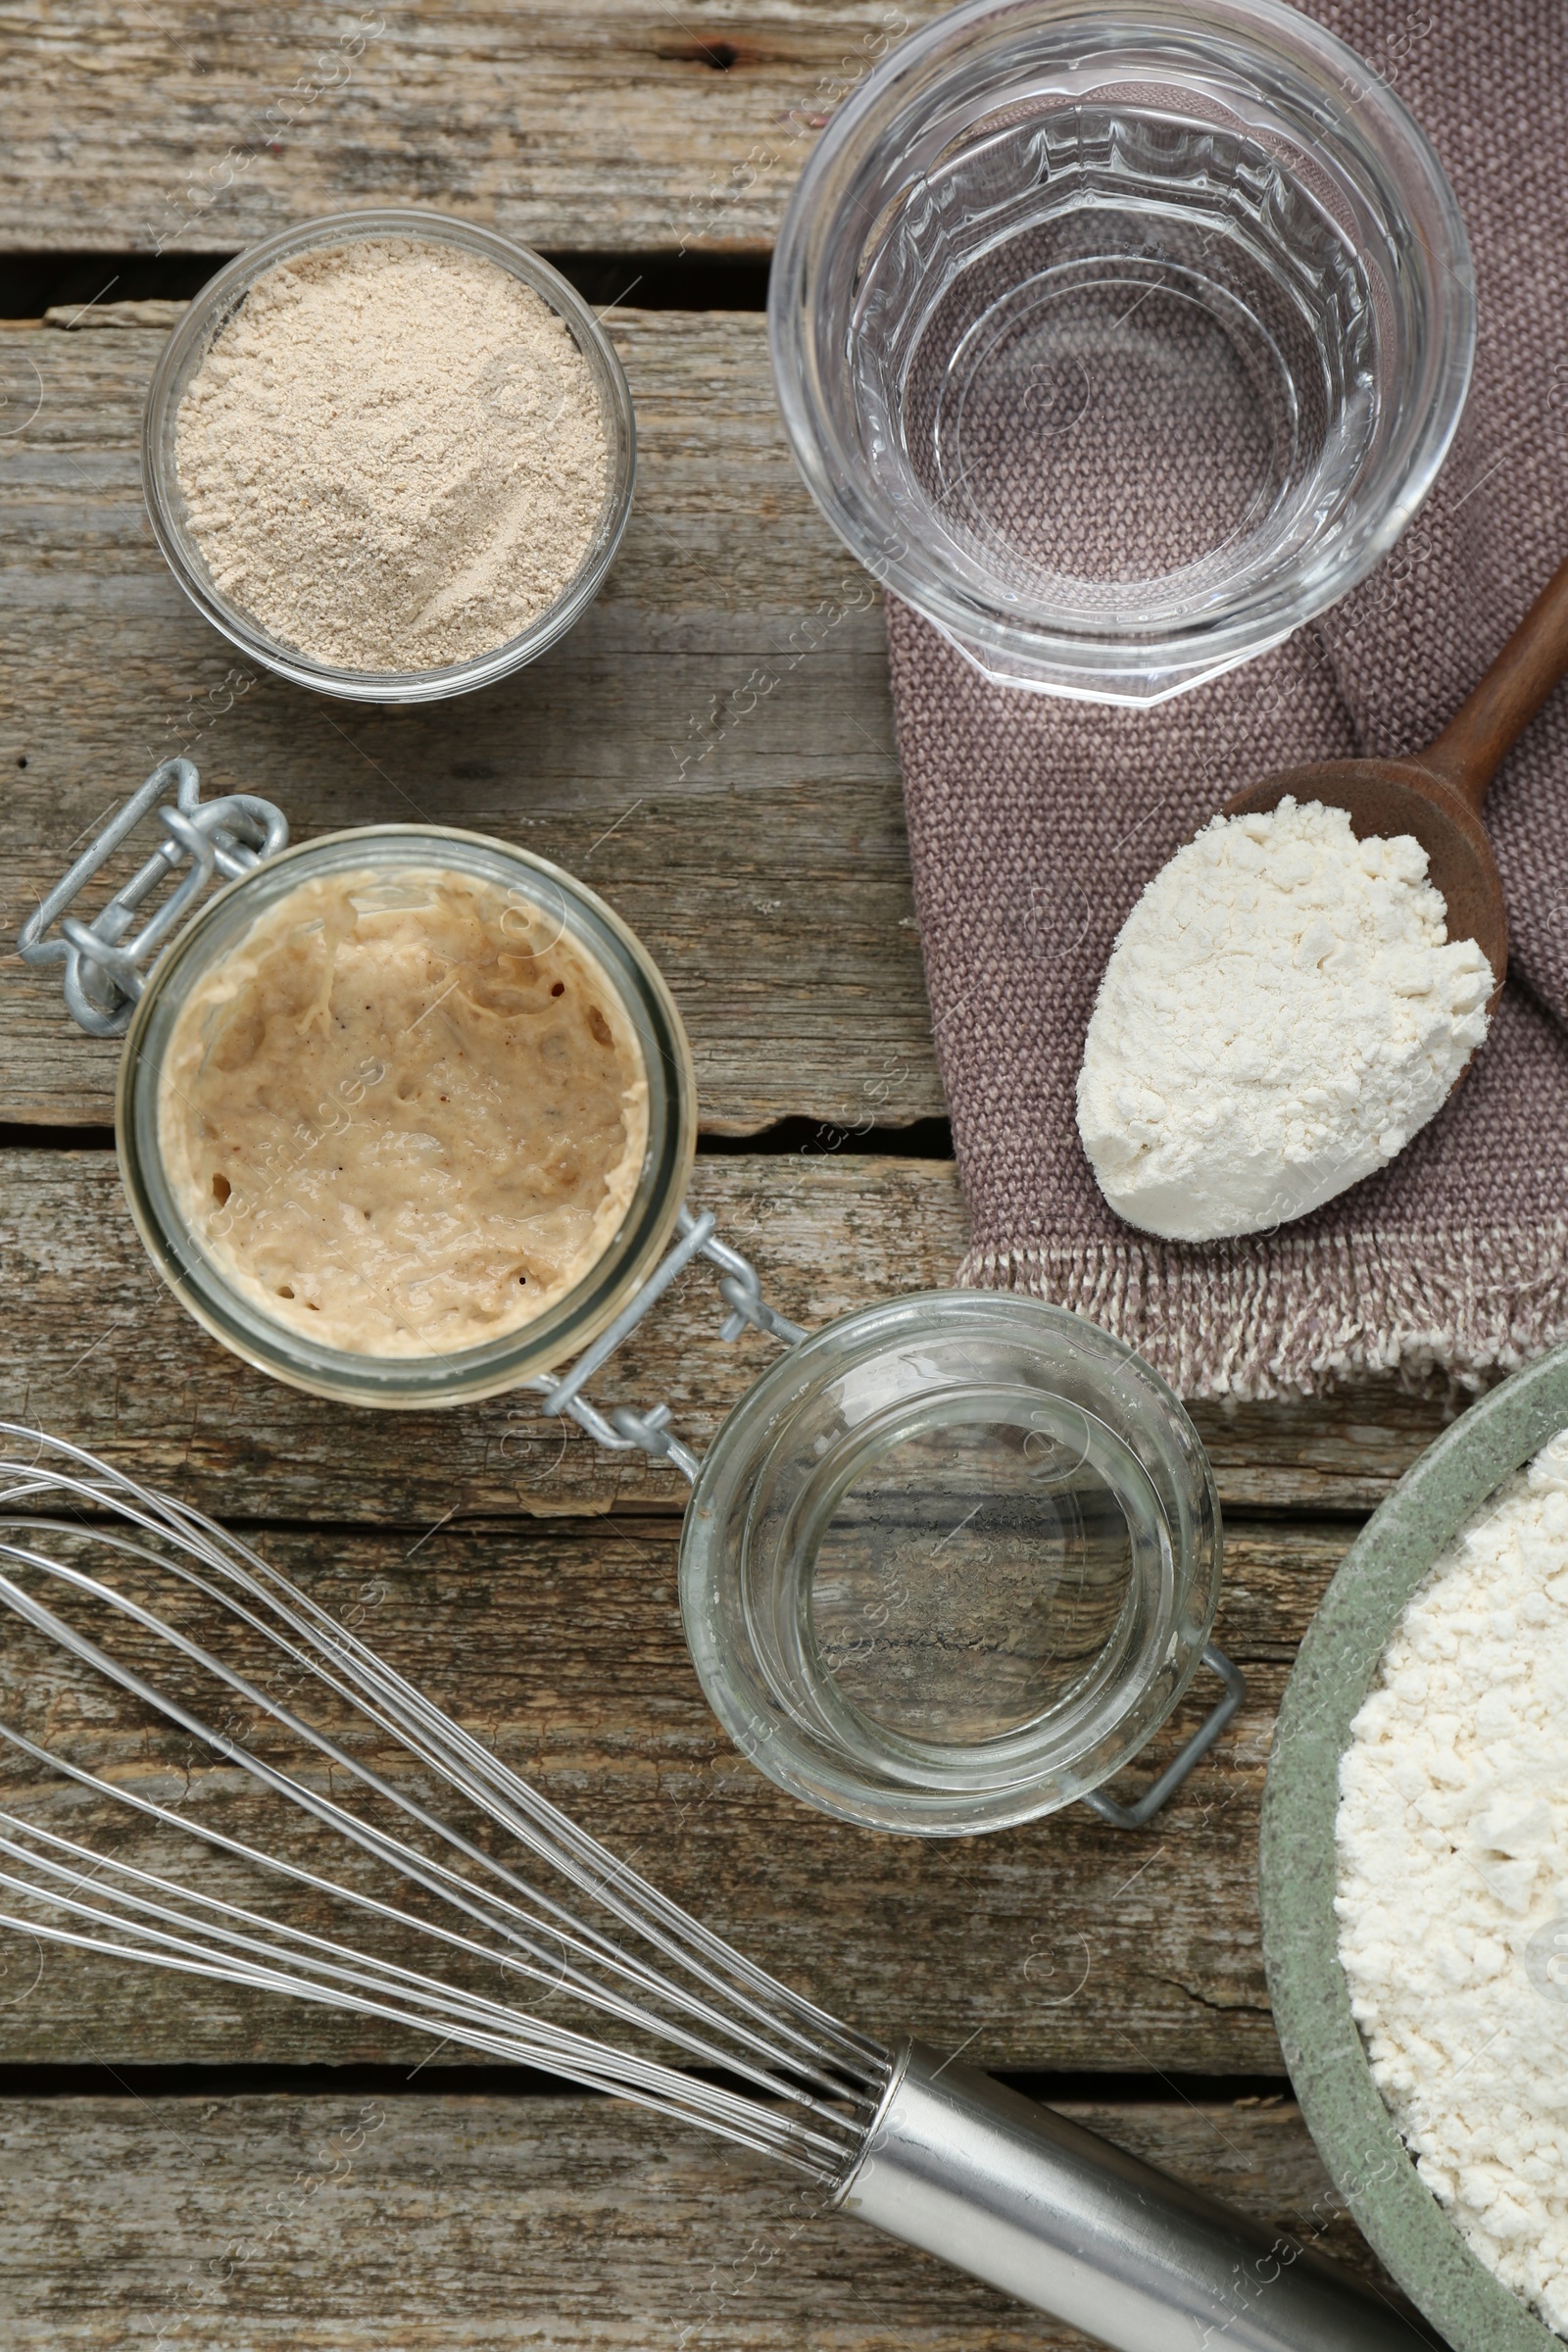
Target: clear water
(1119, 362)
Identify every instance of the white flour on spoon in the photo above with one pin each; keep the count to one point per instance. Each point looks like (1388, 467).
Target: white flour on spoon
(1282, 1012)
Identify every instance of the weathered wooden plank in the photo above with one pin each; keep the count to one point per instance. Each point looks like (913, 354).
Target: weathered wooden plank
(711, 748)
(160, 313)
(610, 125)
(1061, 1944)
(345, 2224)
(94, 1348)
(1340, 1452)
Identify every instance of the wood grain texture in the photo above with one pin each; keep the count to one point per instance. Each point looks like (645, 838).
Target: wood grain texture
(98, 1350)
(711, 748)
(1061, 1944)
(95, 1349)
(93, 317)
(349, 2225)
(610, 125)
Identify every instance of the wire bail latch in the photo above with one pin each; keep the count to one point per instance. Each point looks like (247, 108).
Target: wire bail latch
(220, 839)
(624, 1429)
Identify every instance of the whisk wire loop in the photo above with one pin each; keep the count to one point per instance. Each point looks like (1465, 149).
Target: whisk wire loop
(530, 2039)
(500, 1917)
(793, 2082)
(486, 2027)
(455, 1756)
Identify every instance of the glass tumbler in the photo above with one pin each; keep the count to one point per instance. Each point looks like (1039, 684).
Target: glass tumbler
(1120, 341)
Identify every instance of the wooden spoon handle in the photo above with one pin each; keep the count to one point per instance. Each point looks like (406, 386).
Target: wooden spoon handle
(1485, 728)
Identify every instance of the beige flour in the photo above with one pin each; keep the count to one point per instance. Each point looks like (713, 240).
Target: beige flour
(401, 1114)
(392, 456)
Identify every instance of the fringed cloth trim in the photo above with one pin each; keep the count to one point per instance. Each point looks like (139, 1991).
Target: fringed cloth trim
(1284, 1316)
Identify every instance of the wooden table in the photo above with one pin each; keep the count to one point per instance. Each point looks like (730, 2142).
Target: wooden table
(713, 751)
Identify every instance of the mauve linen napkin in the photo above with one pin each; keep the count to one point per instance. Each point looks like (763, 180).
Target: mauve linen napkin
(1035, 823)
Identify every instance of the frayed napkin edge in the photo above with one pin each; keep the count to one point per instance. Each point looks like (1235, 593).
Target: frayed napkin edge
(1300, 1315)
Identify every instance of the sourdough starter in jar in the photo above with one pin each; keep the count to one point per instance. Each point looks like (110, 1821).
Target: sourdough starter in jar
(404, 1115)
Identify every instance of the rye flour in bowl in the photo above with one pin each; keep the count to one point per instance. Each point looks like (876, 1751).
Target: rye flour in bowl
(390, 455)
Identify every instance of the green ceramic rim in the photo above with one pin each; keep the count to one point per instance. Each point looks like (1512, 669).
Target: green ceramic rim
(1356, 2134)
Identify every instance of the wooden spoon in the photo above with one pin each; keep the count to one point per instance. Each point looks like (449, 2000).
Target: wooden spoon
(1437, 794)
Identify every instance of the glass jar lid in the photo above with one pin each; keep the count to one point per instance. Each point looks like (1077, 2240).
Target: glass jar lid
(951, 1562)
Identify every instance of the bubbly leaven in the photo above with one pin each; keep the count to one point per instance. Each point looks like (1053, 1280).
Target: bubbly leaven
(406, 1113)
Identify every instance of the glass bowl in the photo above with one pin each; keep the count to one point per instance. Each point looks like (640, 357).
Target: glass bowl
(950, 1563)
(198, 1278)
(1120, 341)
(215, 305)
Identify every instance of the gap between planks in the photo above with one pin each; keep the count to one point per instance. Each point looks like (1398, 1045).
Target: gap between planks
(335, 2224)
(1064, 1944)
(96, 1349)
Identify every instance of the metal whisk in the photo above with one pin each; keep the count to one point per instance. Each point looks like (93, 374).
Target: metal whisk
(219, 1645)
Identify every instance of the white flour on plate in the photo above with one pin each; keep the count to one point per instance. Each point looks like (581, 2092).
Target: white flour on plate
(1282, 1012)
(1454, 1875)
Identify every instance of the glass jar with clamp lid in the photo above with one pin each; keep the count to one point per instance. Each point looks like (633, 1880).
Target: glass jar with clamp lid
(951, 1561)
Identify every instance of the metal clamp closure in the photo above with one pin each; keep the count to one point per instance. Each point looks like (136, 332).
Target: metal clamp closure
(623, 1428)
(1141, 1812)
(221, 840)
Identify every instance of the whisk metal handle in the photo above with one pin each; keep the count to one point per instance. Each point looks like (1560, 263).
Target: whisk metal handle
(1032, 2203)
